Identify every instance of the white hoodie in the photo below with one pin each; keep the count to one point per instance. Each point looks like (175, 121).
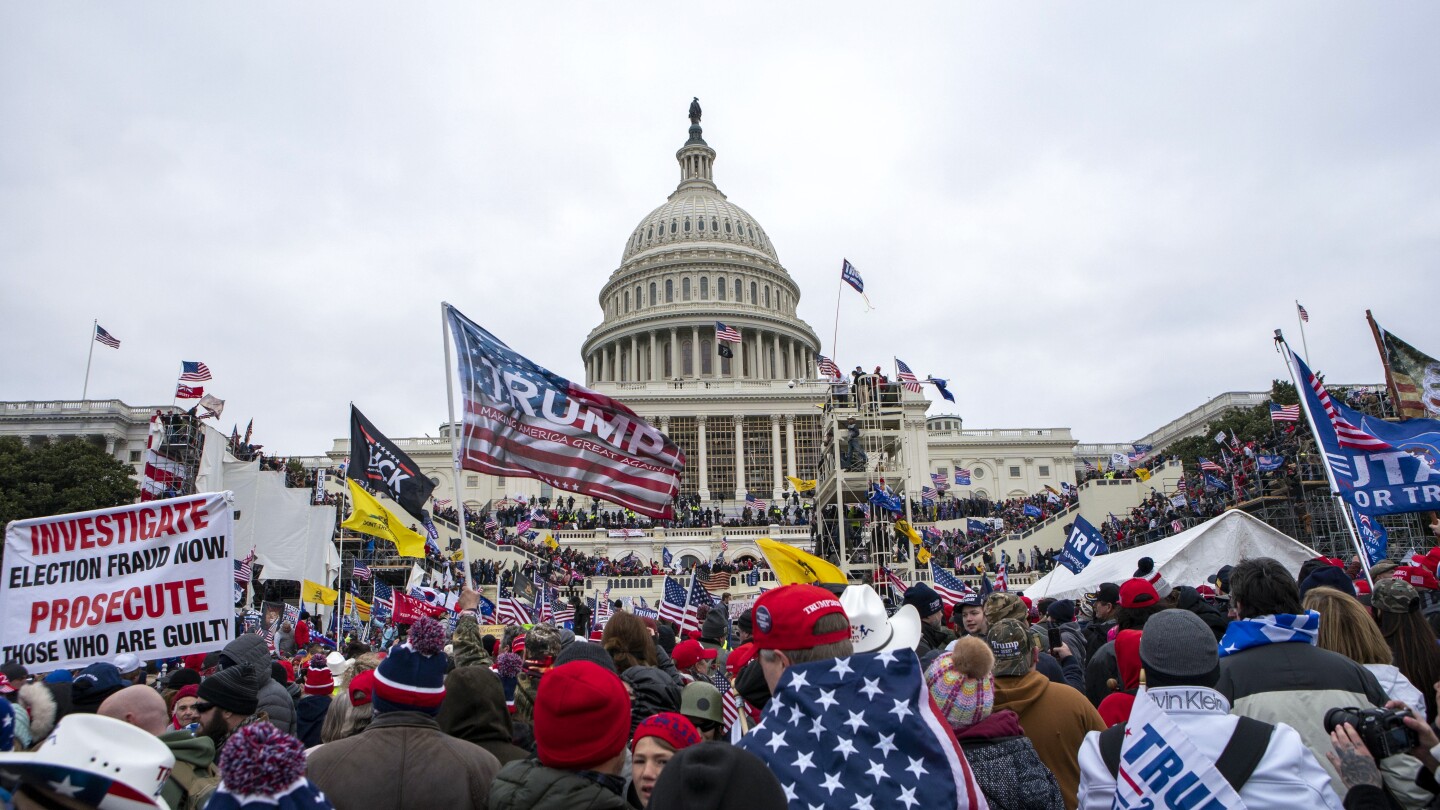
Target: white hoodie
(1398, 687)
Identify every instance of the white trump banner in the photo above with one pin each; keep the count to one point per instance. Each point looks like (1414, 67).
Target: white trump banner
(154, 579)
(1160, 767)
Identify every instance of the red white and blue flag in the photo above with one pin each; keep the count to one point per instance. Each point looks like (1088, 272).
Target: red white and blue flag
(194, 372)
(726, 333)
(1210, 466)
(105, 337)
(828, 369)
(525, 421)
(756, 503)
(673, 605)
(1001, 578)
(962, 477)
(949, 586)
(1304, 316)
(1284, 413)
(911, 382)
(1347, 434)
(511, 609)
(1151, 740)
(361, 571)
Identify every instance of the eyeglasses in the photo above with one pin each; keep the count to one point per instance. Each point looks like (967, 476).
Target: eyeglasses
(201, 708)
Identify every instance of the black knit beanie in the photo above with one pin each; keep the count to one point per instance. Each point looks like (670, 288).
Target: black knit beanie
(232, 689)
(716, 776)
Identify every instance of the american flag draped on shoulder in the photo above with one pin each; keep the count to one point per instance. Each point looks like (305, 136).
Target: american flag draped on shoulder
(868, 729)
(525, 421)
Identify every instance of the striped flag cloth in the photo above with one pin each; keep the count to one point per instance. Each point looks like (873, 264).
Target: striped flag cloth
(441, 503)
(726, 333)
(510, 609)
(1089, 465)
(928, 494)
(383, 595)
(1284, 413)
(1346, 434)
(912, 383)
(244, 569)
(1182, 486)
(361, 571)
(1304, 316)
(523, 526)
(962, 477)
(581, 440)
(698, 596)
(756, 503)
(188, 392)
(1001, 578)
(895, 581)
(718, 581)
(1210, 466)
(105, 337)
(194, 371)
(672, 605)
(828, 369)
(949, 586)
(1176, 526)
(491, 525)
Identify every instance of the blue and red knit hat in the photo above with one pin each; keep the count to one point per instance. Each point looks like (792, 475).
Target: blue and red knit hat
(412, 676)
(262, 767)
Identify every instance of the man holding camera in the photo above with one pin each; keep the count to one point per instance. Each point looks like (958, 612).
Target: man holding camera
(1268, 765)
(1270, 668)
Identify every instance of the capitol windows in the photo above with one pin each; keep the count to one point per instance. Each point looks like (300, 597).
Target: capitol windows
(739, 291)
(704, 288)
(1014, 472)
(767, 295)
(627, 300)
(706, 358)
(750, 231)
(700, 223)
(1044, 471)
(652, 293)
(684, 289)
(687, 224)
(714, 224)
(672, 226)
(637, 297)
(687, 358)
(754, 293)
(727, 226)
(649, 233)
(669, 291)
(720, 287)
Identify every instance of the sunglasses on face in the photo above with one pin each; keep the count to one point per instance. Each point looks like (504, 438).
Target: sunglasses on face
(200, 707)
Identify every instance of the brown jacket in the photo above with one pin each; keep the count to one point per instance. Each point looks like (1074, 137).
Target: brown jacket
(1056, 718)
(403, 759)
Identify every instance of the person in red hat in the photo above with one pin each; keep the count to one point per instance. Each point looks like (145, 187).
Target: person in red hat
(658, 738)
(798, 624)
(1138, 602)
(582, 725)
(694, 660)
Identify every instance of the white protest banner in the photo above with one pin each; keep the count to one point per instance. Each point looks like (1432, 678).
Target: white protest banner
(155, 579)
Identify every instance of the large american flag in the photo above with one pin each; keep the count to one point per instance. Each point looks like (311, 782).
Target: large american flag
(962, 477)
(1210, 466)
(756, 503)
(511, 609)
(828, 368)
(939, 480)
(726, 333)
(441, 503)
(912, 383)
(1347, 434)
(524, 421)
(194, 371)
(867, 726)
(105, 337)
(949, 586)
(1284, 413)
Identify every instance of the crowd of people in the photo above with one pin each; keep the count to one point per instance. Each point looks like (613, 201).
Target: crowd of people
(1316, 687)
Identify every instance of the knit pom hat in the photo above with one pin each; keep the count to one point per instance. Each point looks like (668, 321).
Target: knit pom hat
(412, 677)
(318, 678)
(963, 683)
(674, 729)
(262, 767)
(1147, 572)
(582, 716)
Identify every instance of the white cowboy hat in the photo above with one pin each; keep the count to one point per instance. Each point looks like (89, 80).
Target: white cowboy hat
(100, 761)
(870, 629)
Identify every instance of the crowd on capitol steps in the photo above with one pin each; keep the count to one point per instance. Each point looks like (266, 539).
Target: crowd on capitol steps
(1260, 687)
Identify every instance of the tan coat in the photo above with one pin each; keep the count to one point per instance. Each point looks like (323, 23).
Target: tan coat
(1056, 718)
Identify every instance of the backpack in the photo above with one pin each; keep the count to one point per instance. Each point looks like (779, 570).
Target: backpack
(1236, 763)
(196, 785)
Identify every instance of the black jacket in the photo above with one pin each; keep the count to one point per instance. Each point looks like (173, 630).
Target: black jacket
(1191, 600)
(527, 785)
(474, 711)
(933, 637)
(653, 692)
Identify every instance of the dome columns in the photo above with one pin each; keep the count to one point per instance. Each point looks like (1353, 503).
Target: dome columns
(691, 352)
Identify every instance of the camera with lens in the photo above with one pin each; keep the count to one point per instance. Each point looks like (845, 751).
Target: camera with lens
(1382, 730)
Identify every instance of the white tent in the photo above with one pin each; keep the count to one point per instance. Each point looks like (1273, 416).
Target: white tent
(1188, 558)
(289, 536)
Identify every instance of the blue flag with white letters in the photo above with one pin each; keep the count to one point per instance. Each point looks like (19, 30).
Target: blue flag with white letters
(1211, 482)
(976, 525)
(1373, 537)
(1032, 510)
(1268, 463)
(1084, 544)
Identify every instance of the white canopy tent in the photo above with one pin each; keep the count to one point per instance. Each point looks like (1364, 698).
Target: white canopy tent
(1188, 558)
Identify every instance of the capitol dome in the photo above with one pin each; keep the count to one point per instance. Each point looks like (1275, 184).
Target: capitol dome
(696, 260)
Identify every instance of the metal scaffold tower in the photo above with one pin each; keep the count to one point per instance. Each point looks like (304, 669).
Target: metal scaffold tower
(865, 447)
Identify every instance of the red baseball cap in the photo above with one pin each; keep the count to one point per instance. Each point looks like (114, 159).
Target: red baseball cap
(739, 657)
(1362, 587)
(785, 618)
(1138, 593)
(1418, 577)
(688, 652)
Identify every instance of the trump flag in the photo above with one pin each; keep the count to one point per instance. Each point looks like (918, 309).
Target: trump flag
(524, 421)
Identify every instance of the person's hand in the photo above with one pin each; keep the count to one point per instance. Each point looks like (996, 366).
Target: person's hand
(1062, 652)
(1351, 759)
(469, 599)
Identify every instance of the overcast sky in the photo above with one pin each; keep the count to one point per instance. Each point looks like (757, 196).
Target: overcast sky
(1084, 215)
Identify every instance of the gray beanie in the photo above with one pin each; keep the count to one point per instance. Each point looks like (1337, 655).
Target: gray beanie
(586, 651)
(1177, 648)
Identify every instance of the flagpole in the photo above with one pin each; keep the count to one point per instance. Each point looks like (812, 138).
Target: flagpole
(1324, 458)
(1303, 344)
(95, 324)
(834, 338)
(457, 490)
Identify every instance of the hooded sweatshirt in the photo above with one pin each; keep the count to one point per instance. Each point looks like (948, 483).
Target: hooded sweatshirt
(474, 711)
(195, 755)
(275, 702)
(1115, 708)
(1056, 718)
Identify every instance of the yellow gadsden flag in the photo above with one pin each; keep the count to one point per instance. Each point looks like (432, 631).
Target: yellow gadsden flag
(903, 526)
(551, 542)
(800, 484)
(922, 556)
(1143, 474)
(791, 565)
(368, 517)
(318, 594)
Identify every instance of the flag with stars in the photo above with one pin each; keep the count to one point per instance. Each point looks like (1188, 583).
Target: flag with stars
(511, 609)
(862, 732)
(949, 586)
(525, 421)
(907, 377)
(672, 604)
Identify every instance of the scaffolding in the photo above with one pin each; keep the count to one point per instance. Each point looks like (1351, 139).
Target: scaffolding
(864, 446)
(172, 459)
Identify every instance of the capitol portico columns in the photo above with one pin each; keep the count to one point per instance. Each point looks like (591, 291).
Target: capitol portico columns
(775, 454)
(695, 350)
(654, 366)
(674, 354)
(790, 444)
(704, 467)
(740, 488)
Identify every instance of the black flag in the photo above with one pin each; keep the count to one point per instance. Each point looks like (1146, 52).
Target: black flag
(725, 350)
(376, 462)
